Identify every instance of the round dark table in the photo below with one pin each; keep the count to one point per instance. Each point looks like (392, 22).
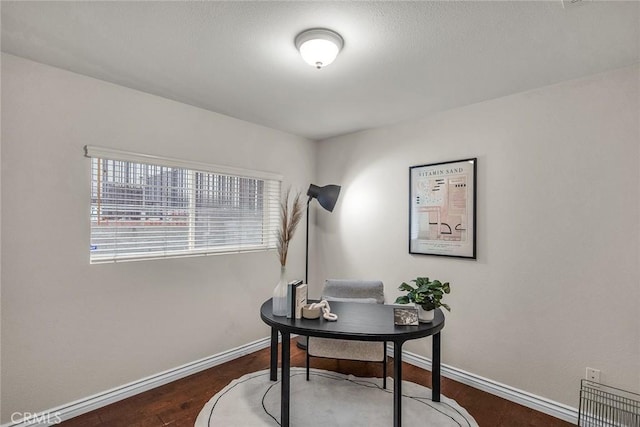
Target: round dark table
(360, 322)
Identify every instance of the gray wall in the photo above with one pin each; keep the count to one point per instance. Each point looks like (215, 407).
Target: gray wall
(556, 286)
(70, 329)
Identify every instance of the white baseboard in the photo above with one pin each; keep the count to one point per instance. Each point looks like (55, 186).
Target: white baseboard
(65, 412)
(513, 394)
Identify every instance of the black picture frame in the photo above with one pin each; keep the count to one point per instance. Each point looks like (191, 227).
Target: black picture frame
(442, 208)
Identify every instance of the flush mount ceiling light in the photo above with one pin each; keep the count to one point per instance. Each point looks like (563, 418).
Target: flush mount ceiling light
(319, 46)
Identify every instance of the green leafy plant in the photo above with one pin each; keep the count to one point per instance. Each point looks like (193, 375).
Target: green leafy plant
(427, 294)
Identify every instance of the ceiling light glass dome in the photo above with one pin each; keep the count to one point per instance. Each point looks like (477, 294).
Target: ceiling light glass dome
(319, 46)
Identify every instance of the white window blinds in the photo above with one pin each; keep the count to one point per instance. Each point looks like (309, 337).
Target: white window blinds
(148, 207)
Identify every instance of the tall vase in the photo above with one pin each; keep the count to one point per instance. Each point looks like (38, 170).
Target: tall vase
(280, 295)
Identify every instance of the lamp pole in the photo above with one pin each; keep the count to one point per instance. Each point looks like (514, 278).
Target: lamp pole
(306, 256)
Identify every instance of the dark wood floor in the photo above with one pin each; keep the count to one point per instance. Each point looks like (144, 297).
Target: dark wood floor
(177, 404)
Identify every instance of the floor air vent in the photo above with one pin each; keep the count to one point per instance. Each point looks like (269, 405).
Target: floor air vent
(604, 406)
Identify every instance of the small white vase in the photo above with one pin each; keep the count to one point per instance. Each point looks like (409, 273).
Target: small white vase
(425, 316)
(280, 294)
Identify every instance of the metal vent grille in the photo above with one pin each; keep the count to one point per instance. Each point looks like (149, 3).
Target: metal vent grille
(604, 406)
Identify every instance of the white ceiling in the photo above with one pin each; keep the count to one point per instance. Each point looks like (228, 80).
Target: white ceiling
(401, 60)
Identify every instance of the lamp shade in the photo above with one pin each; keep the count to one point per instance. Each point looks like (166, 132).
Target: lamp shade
(327, 196)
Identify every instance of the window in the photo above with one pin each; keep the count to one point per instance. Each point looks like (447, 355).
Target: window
(147, 207)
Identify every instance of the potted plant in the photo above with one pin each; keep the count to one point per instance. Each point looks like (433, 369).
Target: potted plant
(426, 295)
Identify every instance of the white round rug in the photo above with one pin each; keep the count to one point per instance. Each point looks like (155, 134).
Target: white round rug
(328, 399)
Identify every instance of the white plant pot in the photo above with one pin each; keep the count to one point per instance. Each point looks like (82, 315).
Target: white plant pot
(425, 316)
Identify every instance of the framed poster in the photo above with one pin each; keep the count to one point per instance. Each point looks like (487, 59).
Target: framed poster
(442, 209)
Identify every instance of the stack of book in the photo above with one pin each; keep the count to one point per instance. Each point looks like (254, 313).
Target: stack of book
(296, 299)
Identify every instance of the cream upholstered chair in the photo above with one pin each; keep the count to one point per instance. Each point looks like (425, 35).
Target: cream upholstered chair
(360, 291)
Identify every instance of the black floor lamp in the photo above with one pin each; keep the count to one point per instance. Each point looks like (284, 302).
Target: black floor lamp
(327, 196)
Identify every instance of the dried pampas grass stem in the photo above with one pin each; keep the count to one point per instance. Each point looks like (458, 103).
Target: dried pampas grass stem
(290, 215)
